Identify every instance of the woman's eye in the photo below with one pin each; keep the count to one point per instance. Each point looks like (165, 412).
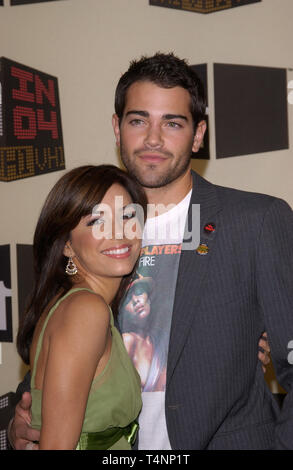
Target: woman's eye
(129, 215)
(97, 221)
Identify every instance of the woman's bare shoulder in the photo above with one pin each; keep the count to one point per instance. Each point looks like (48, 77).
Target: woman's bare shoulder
(83, 309)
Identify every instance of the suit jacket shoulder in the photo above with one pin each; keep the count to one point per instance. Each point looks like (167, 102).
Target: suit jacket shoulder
(232, 198)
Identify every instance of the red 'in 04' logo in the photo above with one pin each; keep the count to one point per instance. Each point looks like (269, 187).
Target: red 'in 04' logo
(31, 141)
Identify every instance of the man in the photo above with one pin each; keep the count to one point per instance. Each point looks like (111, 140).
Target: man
(222, 295)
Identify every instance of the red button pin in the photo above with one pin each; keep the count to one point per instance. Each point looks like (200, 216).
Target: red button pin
(209, 228)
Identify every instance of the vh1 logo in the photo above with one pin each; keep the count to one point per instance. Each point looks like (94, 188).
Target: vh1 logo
(31, 141)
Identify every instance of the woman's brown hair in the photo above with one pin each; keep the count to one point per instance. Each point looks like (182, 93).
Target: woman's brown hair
(73, 197)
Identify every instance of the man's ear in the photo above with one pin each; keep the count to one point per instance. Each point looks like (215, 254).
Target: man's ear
(199, 135)
(116, 128)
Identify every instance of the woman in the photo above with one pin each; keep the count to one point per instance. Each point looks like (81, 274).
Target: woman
(85, 390)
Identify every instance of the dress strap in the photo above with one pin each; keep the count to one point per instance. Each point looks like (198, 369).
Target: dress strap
(50, 313)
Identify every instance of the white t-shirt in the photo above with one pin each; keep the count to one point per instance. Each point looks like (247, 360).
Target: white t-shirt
(146, 314)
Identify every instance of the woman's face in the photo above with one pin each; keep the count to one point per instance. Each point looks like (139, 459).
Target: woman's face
(107, 242)
(139, 305)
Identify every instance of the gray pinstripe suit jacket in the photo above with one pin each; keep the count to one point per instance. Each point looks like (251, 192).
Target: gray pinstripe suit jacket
(216, 395)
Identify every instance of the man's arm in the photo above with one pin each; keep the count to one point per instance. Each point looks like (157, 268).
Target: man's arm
(275, 295)
(20, 434)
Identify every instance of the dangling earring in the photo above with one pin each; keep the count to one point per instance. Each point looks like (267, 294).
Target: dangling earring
(71, 268)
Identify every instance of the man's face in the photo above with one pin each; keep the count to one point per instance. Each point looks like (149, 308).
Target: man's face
(156, 134)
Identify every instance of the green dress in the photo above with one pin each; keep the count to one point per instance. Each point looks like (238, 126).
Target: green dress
(114, 400)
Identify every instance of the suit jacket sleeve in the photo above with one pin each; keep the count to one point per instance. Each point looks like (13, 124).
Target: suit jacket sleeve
(275, 296)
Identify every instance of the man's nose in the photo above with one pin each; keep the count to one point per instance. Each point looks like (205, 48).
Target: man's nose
(154, 138)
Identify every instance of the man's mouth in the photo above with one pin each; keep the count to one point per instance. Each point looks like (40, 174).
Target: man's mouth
(152, 158)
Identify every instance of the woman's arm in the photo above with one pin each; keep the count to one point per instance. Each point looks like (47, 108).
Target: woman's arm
(75, 349)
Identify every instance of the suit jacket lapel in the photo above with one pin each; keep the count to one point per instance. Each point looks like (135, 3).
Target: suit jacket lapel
(192, 271)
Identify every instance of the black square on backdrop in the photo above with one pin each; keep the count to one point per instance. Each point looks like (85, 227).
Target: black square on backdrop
(202, 72)
(5, 295)
(251, 114)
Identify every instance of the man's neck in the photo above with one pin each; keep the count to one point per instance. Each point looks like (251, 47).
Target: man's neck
(172, 193)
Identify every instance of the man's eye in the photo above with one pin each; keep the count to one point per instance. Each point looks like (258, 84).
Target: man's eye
(174, 124)
(136, 122)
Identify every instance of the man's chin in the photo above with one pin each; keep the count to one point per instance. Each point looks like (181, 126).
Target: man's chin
(153, 181)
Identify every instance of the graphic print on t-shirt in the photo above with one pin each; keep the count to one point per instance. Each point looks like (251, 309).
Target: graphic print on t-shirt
(146, 311)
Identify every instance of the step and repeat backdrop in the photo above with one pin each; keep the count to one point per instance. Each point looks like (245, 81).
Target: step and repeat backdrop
(250, 116)
(31, 139)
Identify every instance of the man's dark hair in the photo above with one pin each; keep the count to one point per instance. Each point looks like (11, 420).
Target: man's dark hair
(166, 71)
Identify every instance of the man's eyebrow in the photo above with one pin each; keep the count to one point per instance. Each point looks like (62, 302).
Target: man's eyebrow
(136, 111)
(174, 116)
(165, 116)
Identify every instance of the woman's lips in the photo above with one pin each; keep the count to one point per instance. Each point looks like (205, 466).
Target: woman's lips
(118, 252)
